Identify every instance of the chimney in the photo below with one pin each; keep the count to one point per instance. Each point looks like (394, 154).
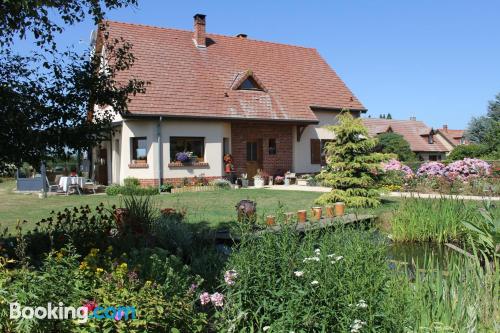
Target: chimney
(199, 31)
(413, 118)
(445, 128)
(242, 36)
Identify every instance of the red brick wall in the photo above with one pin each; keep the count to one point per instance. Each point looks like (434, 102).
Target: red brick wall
(243, 132)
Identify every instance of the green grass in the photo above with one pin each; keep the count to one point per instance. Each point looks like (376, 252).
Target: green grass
(213, 208)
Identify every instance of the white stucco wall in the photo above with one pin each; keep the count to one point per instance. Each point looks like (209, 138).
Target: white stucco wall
(212, 131)
(302, 149)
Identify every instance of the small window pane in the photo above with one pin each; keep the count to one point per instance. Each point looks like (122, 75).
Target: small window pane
(249, 84)
(251, 151)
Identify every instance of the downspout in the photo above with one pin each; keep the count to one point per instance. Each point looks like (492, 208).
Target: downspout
(160, 157)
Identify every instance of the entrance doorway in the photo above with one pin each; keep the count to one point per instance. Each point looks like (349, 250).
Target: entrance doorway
(102, 170)
(254, 157)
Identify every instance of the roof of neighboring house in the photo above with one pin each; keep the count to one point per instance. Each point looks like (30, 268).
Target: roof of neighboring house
(453, 136)
(187, 81)
(414, 131)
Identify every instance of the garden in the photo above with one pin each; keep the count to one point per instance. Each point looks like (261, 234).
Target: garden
(424, 265)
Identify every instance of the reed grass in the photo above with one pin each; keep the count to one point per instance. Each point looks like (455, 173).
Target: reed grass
(462, 298)
(436, 220)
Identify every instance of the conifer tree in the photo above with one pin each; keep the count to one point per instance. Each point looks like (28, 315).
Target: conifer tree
(352, 165)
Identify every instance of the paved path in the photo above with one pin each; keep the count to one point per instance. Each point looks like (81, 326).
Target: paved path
(390, 194)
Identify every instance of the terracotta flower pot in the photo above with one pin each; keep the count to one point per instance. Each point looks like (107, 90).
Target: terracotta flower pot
(339, 208)
(302, 216)
(270, 220)
(330, 211)
(316, 212)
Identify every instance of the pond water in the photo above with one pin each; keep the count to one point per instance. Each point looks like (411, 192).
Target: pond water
(420, 254)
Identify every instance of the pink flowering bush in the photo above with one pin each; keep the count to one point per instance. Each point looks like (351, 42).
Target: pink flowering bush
(431, 169)
(467, 168)
(395, 165)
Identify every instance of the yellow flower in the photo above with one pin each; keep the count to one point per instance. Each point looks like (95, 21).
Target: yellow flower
(124, 265)
(109, 249)
(99, 270)
(59, 256)
(83, 265)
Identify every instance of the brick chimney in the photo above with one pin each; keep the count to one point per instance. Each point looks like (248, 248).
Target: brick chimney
(199, 36)
(445, 128)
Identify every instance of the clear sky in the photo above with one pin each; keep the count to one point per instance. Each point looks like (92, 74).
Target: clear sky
(436, 60)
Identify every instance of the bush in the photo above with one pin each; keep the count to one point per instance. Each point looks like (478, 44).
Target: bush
(222, 183)
(467, 151)
(331, 281)
(114, 189)
(167, 187)
(393, 143)
(131, 182)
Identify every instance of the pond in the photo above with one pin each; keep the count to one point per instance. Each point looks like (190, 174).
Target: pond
(421, 254)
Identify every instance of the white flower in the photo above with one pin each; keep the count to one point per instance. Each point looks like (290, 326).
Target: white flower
(357, 325)
(311, 259)
(317, 252)
(362, 304)
(315, 282)
(339, 258)
(298, 273)
(265, 328)
(331, 255)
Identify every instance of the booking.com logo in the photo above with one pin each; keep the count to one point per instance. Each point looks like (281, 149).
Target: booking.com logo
(81, 314)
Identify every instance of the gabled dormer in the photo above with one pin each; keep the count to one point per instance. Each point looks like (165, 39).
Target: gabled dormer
(248, 81)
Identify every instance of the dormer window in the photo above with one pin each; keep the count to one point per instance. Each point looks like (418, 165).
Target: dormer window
(249, 84)
(430, 139)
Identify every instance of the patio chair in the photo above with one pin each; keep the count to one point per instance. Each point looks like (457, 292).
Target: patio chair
(73, 187)
(55, 185)
(90, 185)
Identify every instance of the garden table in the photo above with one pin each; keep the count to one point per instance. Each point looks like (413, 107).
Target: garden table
(66, 182)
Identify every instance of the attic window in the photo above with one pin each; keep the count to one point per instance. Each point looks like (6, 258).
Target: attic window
(250, 84)
(431, 139)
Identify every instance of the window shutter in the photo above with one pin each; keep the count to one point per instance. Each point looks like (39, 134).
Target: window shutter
(315, 151)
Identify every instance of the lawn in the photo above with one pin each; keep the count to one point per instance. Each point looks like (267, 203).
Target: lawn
(213, 208)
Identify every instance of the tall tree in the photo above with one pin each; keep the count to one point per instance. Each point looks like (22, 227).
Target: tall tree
(45, 97)
(485, 130)
(389, 116)
(352, 164)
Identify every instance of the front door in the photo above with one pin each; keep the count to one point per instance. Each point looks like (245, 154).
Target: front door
(254, 157)
(102, 170)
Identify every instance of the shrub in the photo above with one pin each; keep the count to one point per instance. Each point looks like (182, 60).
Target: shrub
(394, 143)
(431, 169)
(222, 183)
(113, 189)
(395, 165)
(167, 187)
(142, 212)
(130, 190)
(325, 281)
(467, 151)
(131, 182)
(467, 169)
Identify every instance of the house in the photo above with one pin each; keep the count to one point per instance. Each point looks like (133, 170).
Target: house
(210, 95)
(423, 140)
(451, 138)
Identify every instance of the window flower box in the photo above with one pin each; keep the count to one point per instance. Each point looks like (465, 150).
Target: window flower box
(178, 164)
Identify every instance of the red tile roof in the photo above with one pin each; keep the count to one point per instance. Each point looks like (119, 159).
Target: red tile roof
(453, 136)
(187, 81)
(414, 131)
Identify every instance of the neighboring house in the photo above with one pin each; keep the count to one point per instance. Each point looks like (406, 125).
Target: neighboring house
(451, 138)
(262, 102)
(422, 139)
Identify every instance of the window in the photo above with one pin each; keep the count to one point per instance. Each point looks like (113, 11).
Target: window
(318, 152)
(251, 151)
(272, 146)
(249, 84)
(431, 139)
(315, 151)
(139, 149)
(193, 145)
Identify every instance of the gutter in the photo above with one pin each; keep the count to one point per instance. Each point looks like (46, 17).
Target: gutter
(160, 157)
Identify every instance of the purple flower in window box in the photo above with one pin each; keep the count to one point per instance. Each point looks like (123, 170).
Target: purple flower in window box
(183, 156)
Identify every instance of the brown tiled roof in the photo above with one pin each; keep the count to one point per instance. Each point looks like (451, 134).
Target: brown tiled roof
(414, 131)
(453, 136)
(187, 81)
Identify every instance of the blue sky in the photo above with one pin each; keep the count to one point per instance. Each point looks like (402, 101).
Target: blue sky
(436, 60)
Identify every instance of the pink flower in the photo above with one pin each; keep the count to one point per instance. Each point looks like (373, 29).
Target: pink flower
(217, 299)
(205, 298)
(432, 169)
(230, 276)
(395, 165)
